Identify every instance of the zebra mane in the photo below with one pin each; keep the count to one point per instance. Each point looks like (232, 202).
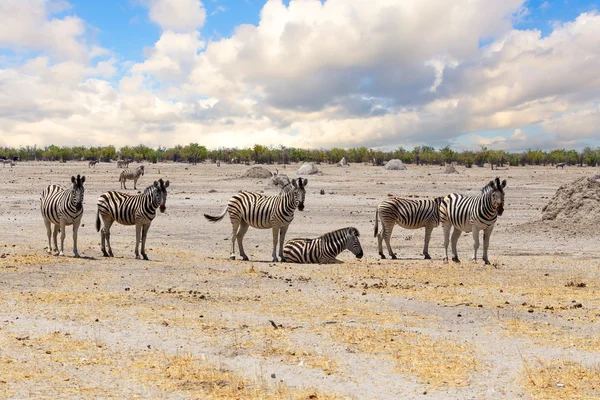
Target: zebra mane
(340, 232)
(494, 185)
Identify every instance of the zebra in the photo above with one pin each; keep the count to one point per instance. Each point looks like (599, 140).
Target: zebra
(561, 164)
(122, 163)
(9, 162)
(409, 214)
(472, 213)
(263, 212)
(92, 163)
(127, 209)
(132, 175)
(325, 248)
(62, 206)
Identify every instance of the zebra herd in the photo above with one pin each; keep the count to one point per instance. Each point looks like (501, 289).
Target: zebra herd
(64, 206)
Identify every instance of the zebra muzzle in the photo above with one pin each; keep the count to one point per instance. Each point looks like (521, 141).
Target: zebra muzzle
(359, 255)
(78, 206)
(162, 208)
(300, 206)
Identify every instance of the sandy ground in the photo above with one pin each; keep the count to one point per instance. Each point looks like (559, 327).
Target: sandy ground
(190, 323)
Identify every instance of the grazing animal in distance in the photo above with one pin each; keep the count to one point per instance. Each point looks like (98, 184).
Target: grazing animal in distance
(131, 175)
(263, 212)
(325, 248)
(92, 163)
(63, 206)
(561, 165)
(409, 214)
(472, 214)
(127, 209)
(122, 163)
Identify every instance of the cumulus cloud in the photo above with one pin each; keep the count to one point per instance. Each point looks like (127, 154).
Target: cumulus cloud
(178, 15)
(316, 74)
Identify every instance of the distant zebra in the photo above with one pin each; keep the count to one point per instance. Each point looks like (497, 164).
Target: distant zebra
(63, 206)
(9, 162)
(409, 214)
(92, 163)
(325, 248)
(263, 212)
(561, 164)
(472, 213)
(127, 209)
(131, 175)
(122, 163)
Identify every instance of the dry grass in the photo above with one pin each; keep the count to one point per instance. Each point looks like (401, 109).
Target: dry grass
(439, 363)
(201, 379)
(561, 380)
(545, 334)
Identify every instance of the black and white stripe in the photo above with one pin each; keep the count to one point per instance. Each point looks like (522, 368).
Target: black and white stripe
(133, 175)
(127, 209)
(325, 248)
(263, 212)
(409, 214)
(472, 214)
(63, 206)
(122, 163)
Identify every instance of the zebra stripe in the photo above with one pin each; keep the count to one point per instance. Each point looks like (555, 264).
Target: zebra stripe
(263, 212)
(63, 206)
(122, 163)
(409, 214)
(324, 249)
(127, 209)
(472, 213)
(133, 175)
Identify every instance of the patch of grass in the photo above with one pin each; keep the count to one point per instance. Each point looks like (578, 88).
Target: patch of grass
(546, 334)
(561, 380)
(440, 363)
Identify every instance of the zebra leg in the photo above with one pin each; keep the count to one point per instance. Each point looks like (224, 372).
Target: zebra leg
(54, 237)
(455, 235)
(428, 230)
(106, 235)
(63, 233)
(386, 234)
(275, 237)
(134, 183)
(487, 233)
(475, 243)
(75, 229)
(447, 228)
(49, 232)
(240, 238)
(138, 237)
(234, 226)
(282, 233)
(145, 229)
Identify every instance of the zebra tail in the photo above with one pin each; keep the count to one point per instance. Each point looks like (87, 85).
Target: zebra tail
(218, 217)
(376, 222)
(97, 220)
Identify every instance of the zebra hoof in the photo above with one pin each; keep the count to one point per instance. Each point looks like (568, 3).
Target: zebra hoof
(486, 262)
(76, 255)
(455, 259)
(283, 259)
(145, 257)
(427, 257)
(61, 254)
(245, 258)
(382, 256)
(445, 260)
(232, 257)
(394, 257)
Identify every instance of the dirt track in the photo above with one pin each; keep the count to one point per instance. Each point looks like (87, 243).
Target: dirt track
(190, 323)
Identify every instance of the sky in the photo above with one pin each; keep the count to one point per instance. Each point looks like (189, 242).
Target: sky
(504, 74)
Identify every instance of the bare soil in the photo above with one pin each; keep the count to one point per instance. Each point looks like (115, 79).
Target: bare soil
(190, 323)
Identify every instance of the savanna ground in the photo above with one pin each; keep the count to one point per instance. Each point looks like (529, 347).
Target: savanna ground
(190, 323)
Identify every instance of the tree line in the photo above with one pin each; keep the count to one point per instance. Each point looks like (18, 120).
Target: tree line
(194, 153)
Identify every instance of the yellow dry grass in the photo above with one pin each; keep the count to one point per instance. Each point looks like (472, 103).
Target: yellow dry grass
(440, 363)
(547, 334)
(198, 378)
(561, 380)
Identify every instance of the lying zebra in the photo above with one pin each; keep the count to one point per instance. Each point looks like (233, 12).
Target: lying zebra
(131, 175)
(324, 249)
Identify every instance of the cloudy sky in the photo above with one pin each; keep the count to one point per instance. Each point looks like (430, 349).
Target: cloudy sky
(507, 74)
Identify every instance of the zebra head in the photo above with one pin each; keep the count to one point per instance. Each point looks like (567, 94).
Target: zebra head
(352, 242)
(300, 190)
(141, 168)
(77, 191)
(496, 188)
(160, 193)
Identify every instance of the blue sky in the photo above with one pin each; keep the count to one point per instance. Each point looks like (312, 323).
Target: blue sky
(307, 73)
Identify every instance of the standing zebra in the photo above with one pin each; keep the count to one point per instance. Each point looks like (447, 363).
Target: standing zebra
(263, 212)
(62, 206)
(325, 248)
(472, 213)
(127, 209)
(409, 214)
(122, 163)
(131, 175)
(92, 163)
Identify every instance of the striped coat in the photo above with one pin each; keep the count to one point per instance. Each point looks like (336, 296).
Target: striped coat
(325, 248)
(133, 175)
(127, 209)
(63, 206)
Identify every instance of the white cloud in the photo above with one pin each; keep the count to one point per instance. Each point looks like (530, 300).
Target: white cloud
(178, 15)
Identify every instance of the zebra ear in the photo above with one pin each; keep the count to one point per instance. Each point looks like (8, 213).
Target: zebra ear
(492, 184)
(73, 179)
(82, 179)
(294, 183)
(504, 183)
(305, 182)
(166, 184)
(156, 183)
